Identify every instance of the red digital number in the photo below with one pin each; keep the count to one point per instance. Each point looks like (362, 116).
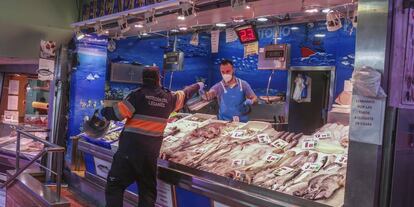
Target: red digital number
(250, 34)
(243, 35)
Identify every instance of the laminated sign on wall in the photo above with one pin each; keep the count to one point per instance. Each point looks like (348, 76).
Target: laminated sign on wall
(231, 35)
(46, 60)
(251, 49)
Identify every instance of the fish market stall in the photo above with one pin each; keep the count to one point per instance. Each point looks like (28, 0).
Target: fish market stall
(294, 149)
(250, 157)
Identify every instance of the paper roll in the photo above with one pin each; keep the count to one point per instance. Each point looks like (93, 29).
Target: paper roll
(40, 105)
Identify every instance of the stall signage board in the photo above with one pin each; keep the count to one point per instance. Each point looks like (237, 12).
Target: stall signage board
(367, 119)
(215, 36)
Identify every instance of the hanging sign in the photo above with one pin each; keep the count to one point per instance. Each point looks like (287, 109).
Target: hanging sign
(367, 119)
(46, 60)
(194, 39)
(251, 49)
(231, 35)
(215, 36)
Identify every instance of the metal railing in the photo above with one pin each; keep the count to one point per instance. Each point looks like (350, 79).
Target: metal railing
(48, 148)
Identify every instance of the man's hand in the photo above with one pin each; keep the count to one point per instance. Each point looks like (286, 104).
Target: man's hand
(208, 96)
(201, 85)
(248, 102)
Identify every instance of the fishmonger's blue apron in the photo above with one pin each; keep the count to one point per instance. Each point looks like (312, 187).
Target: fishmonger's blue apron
(231, 103)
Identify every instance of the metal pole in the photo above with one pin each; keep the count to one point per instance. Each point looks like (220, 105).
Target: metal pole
(18, 151)
(59, 174)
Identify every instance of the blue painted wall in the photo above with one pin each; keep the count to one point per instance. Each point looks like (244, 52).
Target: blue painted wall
(87, 83)
(335, 49)
(197, 61)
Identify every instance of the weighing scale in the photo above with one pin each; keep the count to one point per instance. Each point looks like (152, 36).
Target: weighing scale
(173, 61)
(274, 57)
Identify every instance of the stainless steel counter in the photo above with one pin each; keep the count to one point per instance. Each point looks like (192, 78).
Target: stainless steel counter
(222, 189)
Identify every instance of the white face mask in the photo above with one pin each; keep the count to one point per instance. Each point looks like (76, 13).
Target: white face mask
(227, 77)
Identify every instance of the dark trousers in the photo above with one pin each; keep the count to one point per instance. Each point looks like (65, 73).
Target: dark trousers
(135, 161)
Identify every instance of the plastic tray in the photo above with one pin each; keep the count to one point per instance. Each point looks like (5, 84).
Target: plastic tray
(99, 141)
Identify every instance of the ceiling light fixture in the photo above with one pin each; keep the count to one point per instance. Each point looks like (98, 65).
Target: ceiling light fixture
(220, 25)
(294, 28)
(311, 10)
(262, 19)
(181, 17)
(139, 25)
(320, 35)
(183, 28)
(327, 10)
(174, 30)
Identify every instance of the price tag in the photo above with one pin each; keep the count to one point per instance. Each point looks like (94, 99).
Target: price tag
(264, 138)
(200, 150)
(323, 135)
(309, 143)
(273, 157)
(171, 139)
(315, 167)
(279, 143)
(238, 134)
(238, 163)
(283, 171)
(342, 159)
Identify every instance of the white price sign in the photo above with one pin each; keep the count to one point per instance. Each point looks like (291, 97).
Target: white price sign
(200, 150)
(273, 157)
(238, 134)
(323, 135)
(309, 144)
(279, 143)
(238, 163)
(171, 139)
(283, 171)
(315, 167)
(264, 138)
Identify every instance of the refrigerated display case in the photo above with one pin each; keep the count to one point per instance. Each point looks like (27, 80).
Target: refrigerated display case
(250, 159)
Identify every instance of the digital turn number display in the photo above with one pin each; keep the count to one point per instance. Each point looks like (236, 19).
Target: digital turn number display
(246, 34)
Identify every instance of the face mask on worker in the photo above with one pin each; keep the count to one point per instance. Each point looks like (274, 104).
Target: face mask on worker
(227, 77)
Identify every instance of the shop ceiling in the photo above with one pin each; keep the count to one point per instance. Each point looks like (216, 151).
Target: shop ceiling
(210, 12)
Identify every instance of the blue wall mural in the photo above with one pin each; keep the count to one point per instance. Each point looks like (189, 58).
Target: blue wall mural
(311, 45)
(87, 83)
(197, 61)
